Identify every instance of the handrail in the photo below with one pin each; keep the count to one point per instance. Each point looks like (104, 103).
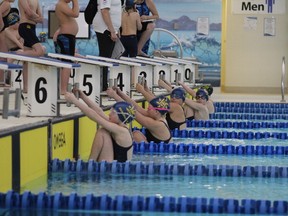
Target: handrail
(283, 80)
(174, 36)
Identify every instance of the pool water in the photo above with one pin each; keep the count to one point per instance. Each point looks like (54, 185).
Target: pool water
(232, 160)
(260, 185)
(162, 185)
(233, 142)
(254, 130)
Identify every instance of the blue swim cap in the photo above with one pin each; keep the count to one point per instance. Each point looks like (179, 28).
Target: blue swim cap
(208, 88)
(178, 93)
(161, 104)
(125, 111)
(202, 93)
(129, 3)
(12, 18)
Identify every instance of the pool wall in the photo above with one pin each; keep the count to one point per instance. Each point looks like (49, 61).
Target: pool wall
(26, 150)
(123, 203)
(28, 153)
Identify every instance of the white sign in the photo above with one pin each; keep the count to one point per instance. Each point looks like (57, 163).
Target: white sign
(269, 26)
(203, 26)
(250, 23)
(259, 7)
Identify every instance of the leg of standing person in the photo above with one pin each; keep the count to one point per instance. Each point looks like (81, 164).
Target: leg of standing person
(37, 50)
(32, 47)
(106, 46)
(145, 36)
(102, 146)
(3, 48)
(145, 49)
(65, 45)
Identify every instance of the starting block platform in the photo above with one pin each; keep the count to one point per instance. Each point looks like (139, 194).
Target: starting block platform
(87, 76)
(121, 74)
(189, 68)
(43, 98)
(145, 72)
(6, 111)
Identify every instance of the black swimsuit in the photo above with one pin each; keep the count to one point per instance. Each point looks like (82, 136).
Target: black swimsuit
(150, 137)
(190, 118)
(5, 21)
(120, 153)
(173, 124)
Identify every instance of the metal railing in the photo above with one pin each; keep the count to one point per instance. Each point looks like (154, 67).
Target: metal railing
(283, 80)
(158, 30)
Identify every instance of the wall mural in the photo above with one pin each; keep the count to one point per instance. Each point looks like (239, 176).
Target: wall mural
(182, 18)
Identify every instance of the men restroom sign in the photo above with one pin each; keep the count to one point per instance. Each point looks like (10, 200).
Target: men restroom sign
(259, 7)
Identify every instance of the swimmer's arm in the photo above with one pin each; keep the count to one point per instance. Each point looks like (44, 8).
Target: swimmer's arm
(146, 121)
(147, 95)
(71, 12)
(39, 19)
(164, 85)
(138, 22)
(92, 104)
(133, 102)
(3, 7)
(188, 90)
(1, 22)
(194, 105)
(107, 20)
(28, 11)
(210, 106)
(113, 94)
(13, 38)
(153, 10)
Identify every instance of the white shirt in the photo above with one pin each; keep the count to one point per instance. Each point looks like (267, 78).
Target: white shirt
(115, 14)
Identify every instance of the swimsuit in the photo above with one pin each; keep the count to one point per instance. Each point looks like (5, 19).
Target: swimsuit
(5, 21)
(190, 118)
(150, 137)
(173, 124)
(65, 44)
(28, 32)
(130, 44)
(143, 10)
(120, 153)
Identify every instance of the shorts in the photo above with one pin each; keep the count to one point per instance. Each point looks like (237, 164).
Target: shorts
(28, 32)
(144, 27)
(65, 44)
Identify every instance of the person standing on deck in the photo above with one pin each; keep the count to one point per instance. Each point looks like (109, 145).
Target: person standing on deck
(66, 38)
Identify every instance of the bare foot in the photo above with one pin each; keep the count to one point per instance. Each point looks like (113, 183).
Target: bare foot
(141, 53)
(4, 85)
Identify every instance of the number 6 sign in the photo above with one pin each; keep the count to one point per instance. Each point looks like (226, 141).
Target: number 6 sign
(42, 90)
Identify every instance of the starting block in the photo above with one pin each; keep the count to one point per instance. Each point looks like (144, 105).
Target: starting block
(88, 75)
(145, 71)
(120, 73)
(13, 68)
(43, 96)
(190, 69)
(6, 93)
(165, 70)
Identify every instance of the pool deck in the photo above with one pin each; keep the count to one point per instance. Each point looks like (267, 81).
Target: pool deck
(14, 122)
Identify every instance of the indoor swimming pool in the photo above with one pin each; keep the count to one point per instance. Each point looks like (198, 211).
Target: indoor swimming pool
(146, 185)
(222, 166)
